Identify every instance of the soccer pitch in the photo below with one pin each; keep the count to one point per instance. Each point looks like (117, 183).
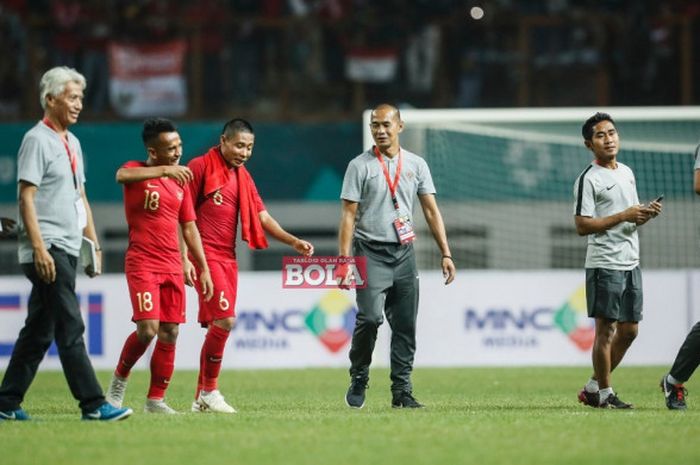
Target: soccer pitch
(473, 415)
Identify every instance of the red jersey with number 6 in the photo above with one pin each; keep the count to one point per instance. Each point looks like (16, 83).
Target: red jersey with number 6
(154, 208)
(217, 214)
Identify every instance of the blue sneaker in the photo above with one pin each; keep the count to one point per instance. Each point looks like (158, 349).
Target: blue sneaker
(14, 415)
(106, 412)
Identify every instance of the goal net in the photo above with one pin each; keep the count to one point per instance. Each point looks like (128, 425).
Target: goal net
(505, 182)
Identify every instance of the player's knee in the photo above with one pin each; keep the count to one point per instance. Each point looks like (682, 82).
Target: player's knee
(168, 332)
(628, 335)
(145, 333)
(226, 324)
(604, 336)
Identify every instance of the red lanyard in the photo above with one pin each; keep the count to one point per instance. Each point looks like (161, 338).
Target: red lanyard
(392, 186)
(71, 156)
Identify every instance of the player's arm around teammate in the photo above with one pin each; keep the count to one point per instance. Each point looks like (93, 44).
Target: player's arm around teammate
(179, 173)
(157, 203)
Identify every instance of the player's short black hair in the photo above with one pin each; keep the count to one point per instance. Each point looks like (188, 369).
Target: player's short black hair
(587, 128)
(152, 127)
(235, 126)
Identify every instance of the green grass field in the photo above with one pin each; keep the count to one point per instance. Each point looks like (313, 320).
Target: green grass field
(473, 415)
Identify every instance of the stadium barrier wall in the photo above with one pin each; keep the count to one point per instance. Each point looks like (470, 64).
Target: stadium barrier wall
(485, 318)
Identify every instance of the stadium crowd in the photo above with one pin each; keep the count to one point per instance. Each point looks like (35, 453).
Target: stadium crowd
(280, 59)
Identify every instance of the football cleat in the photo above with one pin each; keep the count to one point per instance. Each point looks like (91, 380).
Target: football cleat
(158, 406)
(588, 398)
(674, 393)
(212, 402)
(612, 401)
(115, 391)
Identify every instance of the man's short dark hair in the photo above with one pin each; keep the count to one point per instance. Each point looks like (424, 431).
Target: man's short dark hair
(153, 127)
(235, 126)
(587, 129)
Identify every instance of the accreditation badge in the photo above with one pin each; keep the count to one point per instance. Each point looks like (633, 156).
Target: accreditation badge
(81, 212)
(404, 230)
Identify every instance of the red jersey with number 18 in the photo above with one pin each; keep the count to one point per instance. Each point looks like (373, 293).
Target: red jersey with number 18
(154, 208)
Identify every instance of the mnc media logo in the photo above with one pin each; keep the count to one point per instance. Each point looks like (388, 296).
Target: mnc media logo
(15, 306)
(332, 320)
(572, 319)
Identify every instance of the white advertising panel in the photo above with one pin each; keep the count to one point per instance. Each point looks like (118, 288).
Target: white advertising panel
(537, 318)
(484, 318)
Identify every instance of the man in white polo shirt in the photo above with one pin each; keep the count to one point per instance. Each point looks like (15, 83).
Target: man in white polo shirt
(608, 211)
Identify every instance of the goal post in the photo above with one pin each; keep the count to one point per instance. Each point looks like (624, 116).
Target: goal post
(505, 182)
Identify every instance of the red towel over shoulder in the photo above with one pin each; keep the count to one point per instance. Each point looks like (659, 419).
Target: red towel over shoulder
(216, 174)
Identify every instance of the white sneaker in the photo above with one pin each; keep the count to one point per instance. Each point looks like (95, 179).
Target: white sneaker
(158, 406)
(116, 390)
(213, 401)
(198, 408)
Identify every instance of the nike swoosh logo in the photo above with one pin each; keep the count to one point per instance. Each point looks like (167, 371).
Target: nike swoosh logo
(148, 184)
(11, 416)
(96, 415)
(608, 188)
(666, 393)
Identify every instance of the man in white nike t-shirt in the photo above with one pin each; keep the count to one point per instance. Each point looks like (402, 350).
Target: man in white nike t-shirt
(607, 210)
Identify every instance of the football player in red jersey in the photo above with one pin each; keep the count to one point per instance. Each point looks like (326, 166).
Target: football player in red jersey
(222, 192)
(157, 202)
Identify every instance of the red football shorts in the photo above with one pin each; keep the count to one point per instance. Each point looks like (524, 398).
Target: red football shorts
(224, 275)
(157, 296)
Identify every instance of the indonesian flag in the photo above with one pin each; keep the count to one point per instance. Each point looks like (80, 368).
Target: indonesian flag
(373, 65)
(148, 79)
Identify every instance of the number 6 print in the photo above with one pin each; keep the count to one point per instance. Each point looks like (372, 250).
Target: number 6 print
(223, 302)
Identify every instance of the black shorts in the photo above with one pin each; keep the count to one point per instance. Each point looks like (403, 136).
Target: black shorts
(614, 294)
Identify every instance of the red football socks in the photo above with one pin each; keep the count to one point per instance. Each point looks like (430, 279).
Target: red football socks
(131, 353)
(162, 367)
(212, 354)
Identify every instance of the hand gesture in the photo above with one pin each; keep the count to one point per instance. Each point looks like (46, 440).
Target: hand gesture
(637, 214)
(303, 247)
(448, 269)
(189, 271)
(179, 173)
(44, 265)
(207, 285)
(655, 207)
